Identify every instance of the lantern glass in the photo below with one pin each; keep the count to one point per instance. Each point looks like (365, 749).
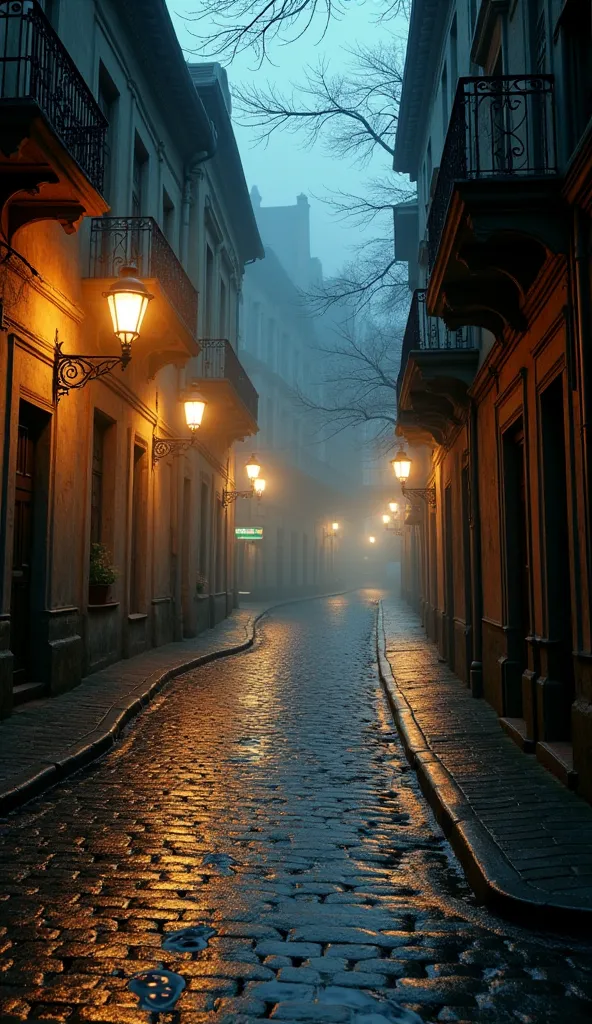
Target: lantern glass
(402, 466)
(394, 507)
(386, 519)
(335, 527)
(128, 300)
(194, 410)
(372, 540)
(259, 486)
(253, 468)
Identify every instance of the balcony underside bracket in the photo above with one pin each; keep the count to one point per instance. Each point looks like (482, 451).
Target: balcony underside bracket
(492, 303)
(157, 360)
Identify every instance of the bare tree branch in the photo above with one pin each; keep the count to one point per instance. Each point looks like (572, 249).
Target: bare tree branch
(227, 27)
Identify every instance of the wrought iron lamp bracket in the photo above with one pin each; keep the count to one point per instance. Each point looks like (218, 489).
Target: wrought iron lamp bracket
(428, 494)
(163, 446)
(229, 496)
(72, 372)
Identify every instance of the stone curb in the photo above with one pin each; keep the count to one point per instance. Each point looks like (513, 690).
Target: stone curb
(46, 774)
(493, 878)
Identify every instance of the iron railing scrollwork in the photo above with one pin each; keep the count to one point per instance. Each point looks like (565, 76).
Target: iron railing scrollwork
(121, 241)
(218, 361)
(428, 332)
(34, 65)
(500, 127)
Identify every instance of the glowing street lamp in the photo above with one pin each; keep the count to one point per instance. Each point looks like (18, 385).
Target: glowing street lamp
(335, 527)
(402, 466)
(253, 468)
(386, 519)
(259, 486)
(194, 410)
(394, 507)
(372, 540)
(128, 299)
(194, 405)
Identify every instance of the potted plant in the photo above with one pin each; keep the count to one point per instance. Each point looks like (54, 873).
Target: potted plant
(201, 584)
(102, 574)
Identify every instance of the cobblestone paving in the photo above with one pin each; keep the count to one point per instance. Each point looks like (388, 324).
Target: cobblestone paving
(268, 797)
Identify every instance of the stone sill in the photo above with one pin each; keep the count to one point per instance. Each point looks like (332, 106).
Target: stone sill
(107, 604)
(137, 616)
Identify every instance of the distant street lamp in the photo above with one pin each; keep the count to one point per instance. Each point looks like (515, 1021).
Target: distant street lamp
(257, 484)
(386, 519)
(402, 467)
(394, 507)
(372, 540)
(335, 527)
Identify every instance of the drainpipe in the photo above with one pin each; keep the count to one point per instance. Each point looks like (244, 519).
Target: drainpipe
(583, 332)
(190, 176)
(476, 673)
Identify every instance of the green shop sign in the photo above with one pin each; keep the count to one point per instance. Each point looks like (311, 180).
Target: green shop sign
(248, 532)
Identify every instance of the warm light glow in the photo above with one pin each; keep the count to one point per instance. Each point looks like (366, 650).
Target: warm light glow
(386, 519)
(402, 466)
(372, 540)
(128, 300)
(259, 486)
(394, 507)
(335, 527)
(194, 410)
(253, 468)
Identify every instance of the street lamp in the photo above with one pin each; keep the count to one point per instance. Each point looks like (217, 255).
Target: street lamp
(372, 540)
(402, 467)
(128, 299)
(253, 468)
(386, 519)
(335, 527)
(194, 405)
(394, 507)
(257, 484)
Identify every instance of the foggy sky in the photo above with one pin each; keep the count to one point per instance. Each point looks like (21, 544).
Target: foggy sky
(284, 169)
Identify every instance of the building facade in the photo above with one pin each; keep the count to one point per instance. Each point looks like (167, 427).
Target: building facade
(495, 129)
(310, 480)
(114, 153)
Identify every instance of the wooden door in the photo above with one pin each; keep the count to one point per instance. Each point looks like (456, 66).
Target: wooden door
(22, 555)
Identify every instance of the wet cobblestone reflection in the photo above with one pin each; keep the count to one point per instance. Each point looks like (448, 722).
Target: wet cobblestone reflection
(272, 804)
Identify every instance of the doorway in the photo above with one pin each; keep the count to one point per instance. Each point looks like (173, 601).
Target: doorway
(558, 684)
(29, 544)
(517, 569)
(448, 579)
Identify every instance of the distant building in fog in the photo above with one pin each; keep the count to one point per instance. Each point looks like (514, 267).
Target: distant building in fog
(310, 482)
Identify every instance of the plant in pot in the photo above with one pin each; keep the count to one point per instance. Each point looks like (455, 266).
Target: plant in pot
(102, 574)
(201, 584)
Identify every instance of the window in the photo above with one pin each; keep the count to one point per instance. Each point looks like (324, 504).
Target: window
(168, 218)
(473, 16)
(139, 528)
(96, 500)
(209, 291)
(453, 55)
(52, 11)
(203, 529)
(271, 344)
(139, 175)
(444, 87)
(223, 312)
(108, 98)
(269, 422)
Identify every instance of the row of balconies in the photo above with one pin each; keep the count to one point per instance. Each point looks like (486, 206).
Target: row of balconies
(52, 154)
(494, 222)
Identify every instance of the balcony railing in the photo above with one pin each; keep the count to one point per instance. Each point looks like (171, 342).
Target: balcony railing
(500, 127)
(428, 332)
(34, 65)
(117, 241)
(218, 361)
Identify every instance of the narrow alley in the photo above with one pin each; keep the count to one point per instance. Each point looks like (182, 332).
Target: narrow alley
(267, 797)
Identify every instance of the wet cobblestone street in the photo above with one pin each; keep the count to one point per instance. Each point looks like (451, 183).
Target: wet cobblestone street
(267, 796)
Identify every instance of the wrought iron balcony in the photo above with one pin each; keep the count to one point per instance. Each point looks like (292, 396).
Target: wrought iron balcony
(218, 362)
(501, 127)
(117, 241)
(425, 332)
(36, 70)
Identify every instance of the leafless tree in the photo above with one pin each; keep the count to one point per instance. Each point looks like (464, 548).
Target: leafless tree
(224, 28)
(356, 381)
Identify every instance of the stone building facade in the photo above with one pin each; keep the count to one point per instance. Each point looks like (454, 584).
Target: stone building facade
(114, 152)
(495, 127)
